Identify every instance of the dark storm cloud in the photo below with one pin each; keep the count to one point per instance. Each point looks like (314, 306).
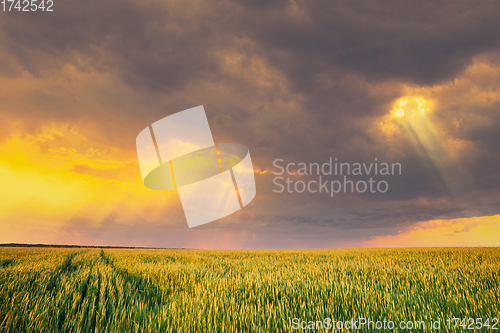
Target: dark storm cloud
(164, 46)
(149, 45)
(325, 56)
(423, 42)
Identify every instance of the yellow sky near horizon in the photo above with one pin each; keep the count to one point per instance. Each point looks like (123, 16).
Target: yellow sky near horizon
(58, 174)
(49, 183)
(483, 231)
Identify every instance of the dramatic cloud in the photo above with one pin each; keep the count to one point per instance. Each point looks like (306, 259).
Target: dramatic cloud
(415, 83)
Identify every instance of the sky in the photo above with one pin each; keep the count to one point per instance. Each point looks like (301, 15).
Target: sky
(415, 84)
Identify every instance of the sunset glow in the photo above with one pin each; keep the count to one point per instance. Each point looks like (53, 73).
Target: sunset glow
(415, 93)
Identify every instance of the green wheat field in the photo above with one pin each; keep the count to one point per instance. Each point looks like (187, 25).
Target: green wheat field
(143, 290)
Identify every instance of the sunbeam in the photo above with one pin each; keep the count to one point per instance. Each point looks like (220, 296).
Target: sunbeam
(413, 114)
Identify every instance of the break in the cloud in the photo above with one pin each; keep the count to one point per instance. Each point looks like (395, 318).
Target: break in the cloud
(297, 80)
